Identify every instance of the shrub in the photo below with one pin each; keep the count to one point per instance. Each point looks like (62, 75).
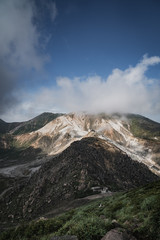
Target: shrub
(89, 228)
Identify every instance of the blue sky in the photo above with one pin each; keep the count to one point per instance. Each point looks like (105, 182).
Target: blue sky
(74, 55)
(97, 36)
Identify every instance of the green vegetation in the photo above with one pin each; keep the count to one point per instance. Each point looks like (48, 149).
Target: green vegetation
(143, 127)
(137, 211)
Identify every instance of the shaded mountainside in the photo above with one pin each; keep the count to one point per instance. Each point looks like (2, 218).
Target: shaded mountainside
(6, 127)
(86, 163)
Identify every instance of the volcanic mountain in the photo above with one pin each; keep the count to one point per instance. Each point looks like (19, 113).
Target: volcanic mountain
(46, 163)
(29, 144)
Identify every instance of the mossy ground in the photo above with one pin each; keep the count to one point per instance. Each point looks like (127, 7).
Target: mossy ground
(138, 211)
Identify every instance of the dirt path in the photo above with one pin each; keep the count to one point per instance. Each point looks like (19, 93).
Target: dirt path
(66, 206)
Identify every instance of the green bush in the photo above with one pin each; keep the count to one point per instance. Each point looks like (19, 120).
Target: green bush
(89, 228)
(149, 202)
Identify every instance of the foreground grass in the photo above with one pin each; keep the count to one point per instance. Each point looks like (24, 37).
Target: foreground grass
(137, 210)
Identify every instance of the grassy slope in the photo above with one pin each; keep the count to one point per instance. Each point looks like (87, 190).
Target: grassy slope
(137, 211)
(142, 127)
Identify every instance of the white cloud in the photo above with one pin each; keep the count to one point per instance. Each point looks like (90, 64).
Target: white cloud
(123, 91)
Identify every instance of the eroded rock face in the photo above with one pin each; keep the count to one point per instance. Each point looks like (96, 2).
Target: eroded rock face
(118, 234)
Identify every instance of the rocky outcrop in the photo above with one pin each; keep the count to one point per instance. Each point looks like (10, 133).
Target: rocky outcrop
(118, 234)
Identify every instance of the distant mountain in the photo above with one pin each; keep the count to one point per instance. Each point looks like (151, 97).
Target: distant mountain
(35, 123)
(86, 163)
(6, 127)
(27, 126)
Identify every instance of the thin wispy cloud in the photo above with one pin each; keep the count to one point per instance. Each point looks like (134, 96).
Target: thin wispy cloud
(53, 11)
(125, 91)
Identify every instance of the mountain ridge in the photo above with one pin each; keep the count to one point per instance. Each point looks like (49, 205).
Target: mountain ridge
(60, 132)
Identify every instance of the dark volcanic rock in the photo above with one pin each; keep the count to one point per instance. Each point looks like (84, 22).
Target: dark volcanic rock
(118, 234)
(86, 163)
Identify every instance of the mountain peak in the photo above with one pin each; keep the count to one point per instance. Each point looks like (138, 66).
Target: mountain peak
(1, 121)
